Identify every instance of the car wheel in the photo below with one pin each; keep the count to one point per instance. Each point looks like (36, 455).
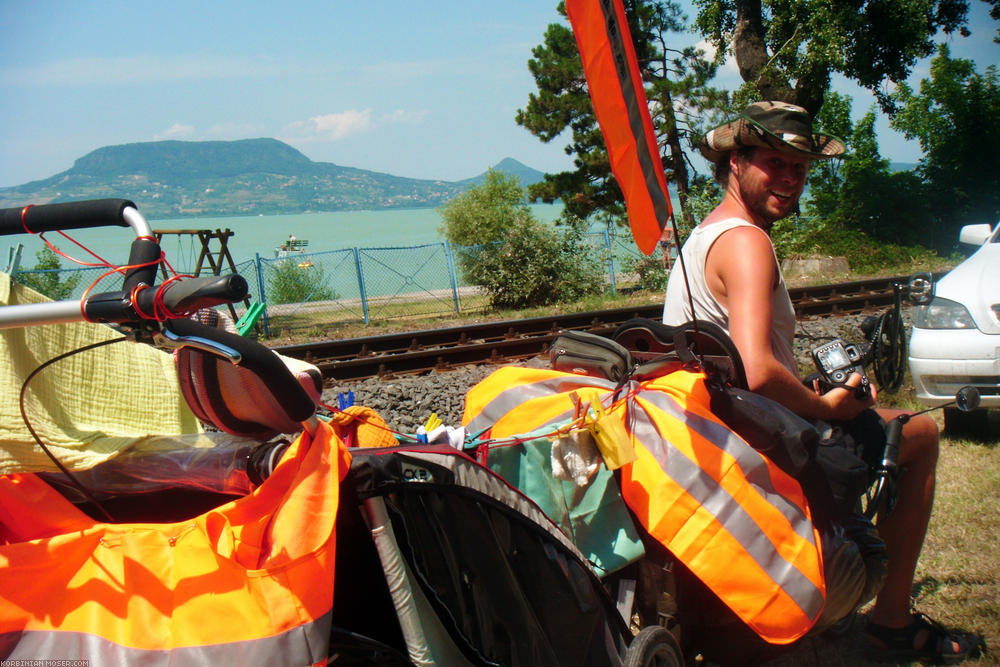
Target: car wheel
(975, 422)
(654, 646)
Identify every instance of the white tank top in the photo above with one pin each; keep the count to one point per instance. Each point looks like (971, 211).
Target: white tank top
(677, 308)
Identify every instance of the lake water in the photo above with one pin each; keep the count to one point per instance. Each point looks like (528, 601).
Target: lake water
(262, 234)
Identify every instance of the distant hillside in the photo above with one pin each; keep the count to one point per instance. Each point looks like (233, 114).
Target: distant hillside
(170, 179)
(511, 167)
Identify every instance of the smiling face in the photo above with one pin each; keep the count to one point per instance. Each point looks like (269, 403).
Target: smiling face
(768, 183)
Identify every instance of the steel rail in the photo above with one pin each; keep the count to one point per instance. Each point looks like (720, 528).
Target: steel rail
(509, 340)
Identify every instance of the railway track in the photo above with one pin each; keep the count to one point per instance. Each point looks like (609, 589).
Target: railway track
(505, 341)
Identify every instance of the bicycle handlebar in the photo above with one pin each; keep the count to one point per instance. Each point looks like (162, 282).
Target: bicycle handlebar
(39, 218)
(180, 296)
(139, 302)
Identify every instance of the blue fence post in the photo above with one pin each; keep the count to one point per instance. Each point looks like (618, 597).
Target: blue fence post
(451, 273)
(261, 295)
(611, 258)
(361, 284)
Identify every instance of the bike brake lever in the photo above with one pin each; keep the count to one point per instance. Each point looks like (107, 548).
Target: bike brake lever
(168, 340)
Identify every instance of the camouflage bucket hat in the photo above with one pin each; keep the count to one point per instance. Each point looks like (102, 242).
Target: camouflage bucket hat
(776, 125)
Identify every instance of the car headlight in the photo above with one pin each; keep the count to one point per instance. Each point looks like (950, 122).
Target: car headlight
(943, 314)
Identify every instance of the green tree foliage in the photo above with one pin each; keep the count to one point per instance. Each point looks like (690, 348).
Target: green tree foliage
(825, 178)
(290, 281)
(676, 87)
(954, 117)
(519, 261)
(483, 213)
(482, 216)
(889, 207)
(789, 49)
(858, 209)
(536, 265)
(48, 282)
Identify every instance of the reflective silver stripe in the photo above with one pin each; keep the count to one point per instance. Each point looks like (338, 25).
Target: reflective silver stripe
(306, 644)
(728, 512)
(689, 476)
(508, 399)
(752, 463)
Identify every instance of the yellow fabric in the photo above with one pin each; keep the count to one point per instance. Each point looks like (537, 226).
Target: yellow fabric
(88, 407)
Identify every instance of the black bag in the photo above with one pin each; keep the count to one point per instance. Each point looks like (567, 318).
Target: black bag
(585, 353)
(832, 474)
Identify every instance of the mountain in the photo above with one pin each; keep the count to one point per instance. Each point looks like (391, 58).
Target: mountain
(171, 179)
(511, 167)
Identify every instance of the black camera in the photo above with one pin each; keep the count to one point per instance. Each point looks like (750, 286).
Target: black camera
(835, 362)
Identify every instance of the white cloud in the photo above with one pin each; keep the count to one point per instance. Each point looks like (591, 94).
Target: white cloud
(175, 131)
(331, 126)
(335, 126)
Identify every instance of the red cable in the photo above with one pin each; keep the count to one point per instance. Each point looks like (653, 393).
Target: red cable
(24, 222)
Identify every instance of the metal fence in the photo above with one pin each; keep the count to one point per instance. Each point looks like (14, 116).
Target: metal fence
(312, 292)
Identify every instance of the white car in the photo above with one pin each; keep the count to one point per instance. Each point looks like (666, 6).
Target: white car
(956, 337)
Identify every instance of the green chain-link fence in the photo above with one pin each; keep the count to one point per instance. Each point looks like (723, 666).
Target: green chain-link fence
(311, 292)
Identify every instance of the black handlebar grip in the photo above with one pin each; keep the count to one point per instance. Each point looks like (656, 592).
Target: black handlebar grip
(69, 215)
(203, 292)
(144, 258)
(893, 432)
(264, 363)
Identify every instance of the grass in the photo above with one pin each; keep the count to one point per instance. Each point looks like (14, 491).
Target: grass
(958, 576)
(957, 580)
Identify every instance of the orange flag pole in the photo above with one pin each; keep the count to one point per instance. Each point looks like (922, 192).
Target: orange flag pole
(619, 99)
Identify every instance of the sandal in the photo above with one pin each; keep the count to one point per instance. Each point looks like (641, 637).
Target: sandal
(938, 646)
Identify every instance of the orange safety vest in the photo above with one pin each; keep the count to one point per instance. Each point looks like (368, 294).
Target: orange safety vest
(250, 582)
(735, 519)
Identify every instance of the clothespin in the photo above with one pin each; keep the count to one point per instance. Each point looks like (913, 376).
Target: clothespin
(421, 434)
(612, 439)
(344, 402)
(432, 422)
(575, 397)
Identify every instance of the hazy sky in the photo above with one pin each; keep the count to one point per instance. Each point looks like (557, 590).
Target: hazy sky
(419, 89)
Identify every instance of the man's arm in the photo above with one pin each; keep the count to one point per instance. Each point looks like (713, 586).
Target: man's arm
(742, 273)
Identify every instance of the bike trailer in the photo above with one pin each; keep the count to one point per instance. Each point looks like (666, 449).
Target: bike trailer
(450, 565)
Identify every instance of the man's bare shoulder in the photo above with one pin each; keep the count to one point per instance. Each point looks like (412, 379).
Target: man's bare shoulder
(743, 256)
(742, 237)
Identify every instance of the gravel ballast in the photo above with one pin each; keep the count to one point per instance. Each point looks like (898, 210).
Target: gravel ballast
(406, 402)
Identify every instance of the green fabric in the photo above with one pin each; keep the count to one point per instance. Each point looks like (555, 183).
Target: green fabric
(595, 517)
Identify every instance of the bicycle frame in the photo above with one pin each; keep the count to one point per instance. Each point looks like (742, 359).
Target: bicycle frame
(70, 310)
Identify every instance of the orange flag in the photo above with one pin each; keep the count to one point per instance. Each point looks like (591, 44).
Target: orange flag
(616, 90)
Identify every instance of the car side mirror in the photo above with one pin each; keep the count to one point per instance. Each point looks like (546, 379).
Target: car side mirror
(967, 399)
(974, 234)
(920, 289)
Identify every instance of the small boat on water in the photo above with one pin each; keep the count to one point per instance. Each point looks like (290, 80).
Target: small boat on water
(292, 246)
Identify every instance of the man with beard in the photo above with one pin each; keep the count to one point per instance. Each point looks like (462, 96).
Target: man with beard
(762, 159)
